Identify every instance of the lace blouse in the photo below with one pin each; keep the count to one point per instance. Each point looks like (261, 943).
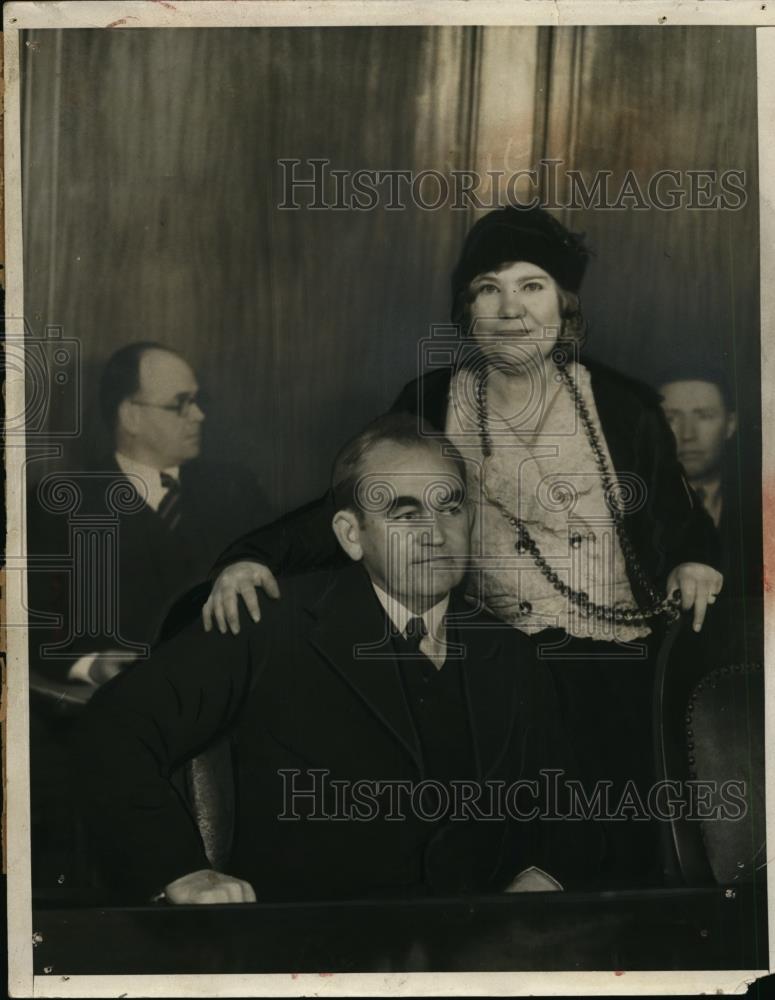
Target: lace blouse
(543, 470)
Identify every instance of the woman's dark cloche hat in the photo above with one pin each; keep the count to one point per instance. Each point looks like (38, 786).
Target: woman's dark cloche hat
(511, 234)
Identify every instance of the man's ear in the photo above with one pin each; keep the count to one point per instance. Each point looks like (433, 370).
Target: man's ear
(348, 533)
(731, 424)
(127, 417)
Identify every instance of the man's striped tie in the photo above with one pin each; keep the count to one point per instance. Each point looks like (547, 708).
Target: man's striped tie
(169, 508)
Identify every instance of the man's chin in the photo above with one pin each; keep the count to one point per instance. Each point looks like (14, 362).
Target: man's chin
(697, 470)
(431, 591)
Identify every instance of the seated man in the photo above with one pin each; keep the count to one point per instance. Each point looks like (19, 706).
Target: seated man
(112, 546)
(388, 738)
(724, 473)
(170, 512)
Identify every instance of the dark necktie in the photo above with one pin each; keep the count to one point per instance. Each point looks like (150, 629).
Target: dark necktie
(415, 633)
(169, 508)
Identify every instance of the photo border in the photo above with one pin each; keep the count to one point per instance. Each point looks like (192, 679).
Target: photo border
(274, 13)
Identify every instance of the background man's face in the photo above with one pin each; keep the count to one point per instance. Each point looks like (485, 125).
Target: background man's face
(165, 379)
(701, 424)
(414, 530)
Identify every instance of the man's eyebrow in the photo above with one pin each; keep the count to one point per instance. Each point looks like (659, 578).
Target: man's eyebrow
(451, 498)
(404, 501)
(710, 408)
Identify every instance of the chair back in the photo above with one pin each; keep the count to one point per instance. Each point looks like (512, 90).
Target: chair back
(709, 727)
(725, 747)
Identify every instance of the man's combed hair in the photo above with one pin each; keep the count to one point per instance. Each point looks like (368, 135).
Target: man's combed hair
(121, 377)
(399, 428)
(699, 371)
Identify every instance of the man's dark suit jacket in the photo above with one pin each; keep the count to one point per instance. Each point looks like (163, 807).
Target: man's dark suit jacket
(153, 566)
(735, 632)
(291, 692)
(669, 528)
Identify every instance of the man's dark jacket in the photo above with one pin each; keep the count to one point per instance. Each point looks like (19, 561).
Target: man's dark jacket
(669, 527)
(734, 633)
(151, 568)
(295, 692)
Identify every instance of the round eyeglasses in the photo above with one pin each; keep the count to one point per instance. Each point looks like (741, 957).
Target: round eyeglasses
(181, 405)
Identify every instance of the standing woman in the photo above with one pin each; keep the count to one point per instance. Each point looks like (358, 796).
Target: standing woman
(587, 535)
(575, 477)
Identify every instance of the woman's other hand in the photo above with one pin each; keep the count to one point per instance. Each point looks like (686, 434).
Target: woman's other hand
(699, 585)
(238, 580)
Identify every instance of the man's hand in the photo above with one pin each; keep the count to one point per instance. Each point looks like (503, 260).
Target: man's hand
(699, 586)
(208, 886)
(107, 664)
(240, 579)
(533, 880)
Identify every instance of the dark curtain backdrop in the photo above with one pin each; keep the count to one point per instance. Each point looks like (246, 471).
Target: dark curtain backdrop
(151, 188)
(665, 285)
(676, 286)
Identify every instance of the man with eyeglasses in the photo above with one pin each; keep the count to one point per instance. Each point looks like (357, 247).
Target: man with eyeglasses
(146, 522)
(172, 511)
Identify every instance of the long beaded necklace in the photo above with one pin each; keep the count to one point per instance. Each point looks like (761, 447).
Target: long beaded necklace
(525, 543)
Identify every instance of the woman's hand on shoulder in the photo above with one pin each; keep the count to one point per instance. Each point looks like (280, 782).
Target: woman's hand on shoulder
(238, 580)
(698, 585)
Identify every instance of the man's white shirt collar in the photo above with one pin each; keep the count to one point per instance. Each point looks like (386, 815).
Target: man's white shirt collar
(401, 615)
(150, 477)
